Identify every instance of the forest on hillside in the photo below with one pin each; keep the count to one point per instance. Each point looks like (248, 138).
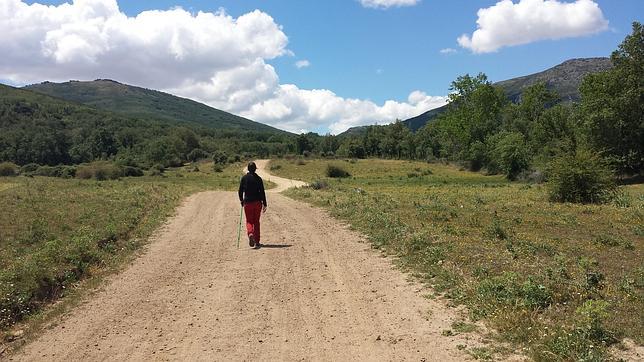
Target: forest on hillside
(41, 130)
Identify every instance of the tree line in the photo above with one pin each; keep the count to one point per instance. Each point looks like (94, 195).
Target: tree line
(482, 129)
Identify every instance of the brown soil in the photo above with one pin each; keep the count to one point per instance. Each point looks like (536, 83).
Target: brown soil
(315, 291)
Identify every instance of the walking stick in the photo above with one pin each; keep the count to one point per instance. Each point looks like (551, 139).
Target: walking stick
(241, 213)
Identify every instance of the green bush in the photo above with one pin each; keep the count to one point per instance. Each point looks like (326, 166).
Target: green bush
(61, 171)
(509, 153)
(220, 157)
(583, 177)
(29, 169)
(319, 185)
(99, 171)
(197, 154)
(130, 171)
(8, 169)
(336, 172)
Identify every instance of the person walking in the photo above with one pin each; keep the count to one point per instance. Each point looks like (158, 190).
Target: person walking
(253, 199)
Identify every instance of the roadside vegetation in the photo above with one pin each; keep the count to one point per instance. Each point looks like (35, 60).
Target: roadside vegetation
(55, 232)
(563, 280)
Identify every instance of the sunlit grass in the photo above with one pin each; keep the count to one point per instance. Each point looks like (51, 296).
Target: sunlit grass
(517, 260)
(54, 232)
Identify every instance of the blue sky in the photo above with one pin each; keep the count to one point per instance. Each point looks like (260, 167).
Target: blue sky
(378, 54)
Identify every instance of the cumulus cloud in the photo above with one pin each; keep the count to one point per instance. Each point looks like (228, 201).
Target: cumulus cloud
(293, 108)
(92, 38)
(385, 4)
(210, 57)
(302, 64)
(508, 24)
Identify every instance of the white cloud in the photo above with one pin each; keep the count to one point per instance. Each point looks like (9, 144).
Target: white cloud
(210, 57)
(302, 64)
(385, 4)
(293, 108)
(508, 24)
(89, 39)
(448, 51)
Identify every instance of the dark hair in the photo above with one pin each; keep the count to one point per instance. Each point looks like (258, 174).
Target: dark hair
(252, 167)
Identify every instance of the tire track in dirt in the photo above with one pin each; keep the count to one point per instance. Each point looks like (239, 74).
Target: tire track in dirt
(316, 291)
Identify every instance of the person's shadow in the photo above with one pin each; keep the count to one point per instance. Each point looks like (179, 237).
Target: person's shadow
(274, 246)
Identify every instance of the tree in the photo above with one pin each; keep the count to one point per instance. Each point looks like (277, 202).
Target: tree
(474, 113)
(613, 105)
(509, 153)
(305, 143)
(352, 148)
(535, 100)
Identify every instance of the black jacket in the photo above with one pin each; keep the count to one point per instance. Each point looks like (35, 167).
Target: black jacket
(251, 188)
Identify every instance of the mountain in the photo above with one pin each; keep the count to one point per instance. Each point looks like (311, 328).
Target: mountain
(564, 79)
(38, 128)
(145, 103)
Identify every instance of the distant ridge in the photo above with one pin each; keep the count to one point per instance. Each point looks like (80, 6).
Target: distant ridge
(564, 78)
(140, 102)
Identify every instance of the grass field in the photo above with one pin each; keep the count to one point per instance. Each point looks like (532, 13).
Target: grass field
(563, 281)
(55, 232)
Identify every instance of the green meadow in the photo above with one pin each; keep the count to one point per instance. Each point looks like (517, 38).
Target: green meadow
(56, 232)
(562, 281)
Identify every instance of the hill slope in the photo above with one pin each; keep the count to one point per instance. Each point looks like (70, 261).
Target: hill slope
(146, 103)
(38, 128)
(564, 79)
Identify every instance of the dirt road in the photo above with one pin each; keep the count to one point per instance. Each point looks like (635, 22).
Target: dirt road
(315, 291)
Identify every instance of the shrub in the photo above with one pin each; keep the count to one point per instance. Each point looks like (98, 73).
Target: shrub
(99, 171)
(130, 171)
(509, 153)
(319, 185)
(477, 156)
(300, 162)
(275, 167)
(8, 169)
(175, 162)
(84, 173)
(197, 154)
(29, 169)
(158, 167)
(66, 171)
(336, 172)
(220, 157)
(155, 172)
(55, 171)
(592, 315)
(582, 177)
(217, 168)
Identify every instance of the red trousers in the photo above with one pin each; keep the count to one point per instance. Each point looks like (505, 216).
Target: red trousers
(253, 211)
